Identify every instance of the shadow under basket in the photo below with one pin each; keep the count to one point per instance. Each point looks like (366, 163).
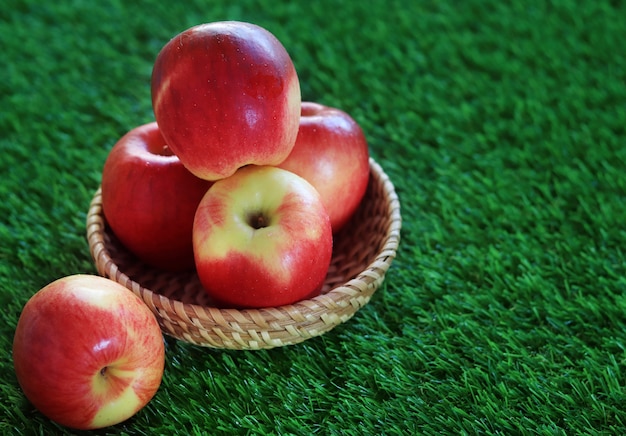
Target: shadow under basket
(362, 254)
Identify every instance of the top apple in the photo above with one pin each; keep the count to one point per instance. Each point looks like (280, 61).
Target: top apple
(225, 95)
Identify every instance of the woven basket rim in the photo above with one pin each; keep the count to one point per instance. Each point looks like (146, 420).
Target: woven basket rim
(369, 278)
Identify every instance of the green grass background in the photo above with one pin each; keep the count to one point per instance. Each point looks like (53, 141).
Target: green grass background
(502, 126)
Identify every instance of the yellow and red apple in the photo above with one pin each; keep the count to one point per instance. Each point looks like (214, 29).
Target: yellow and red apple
(262, 237)
(149, 199)
(331, 153)
(226, 94)
(87, 352)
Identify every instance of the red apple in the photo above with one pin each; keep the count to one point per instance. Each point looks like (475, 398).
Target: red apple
(149, 199)
(262, 238)
(87, 352)
(226, 94)
(331, 152)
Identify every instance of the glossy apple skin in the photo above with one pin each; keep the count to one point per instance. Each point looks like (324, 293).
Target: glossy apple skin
(226, 94)
(87, 352)
(149, 199)
(242, 262)
(331, 152)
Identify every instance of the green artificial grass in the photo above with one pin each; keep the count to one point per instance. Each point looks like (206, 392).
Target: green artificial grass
(502, 127)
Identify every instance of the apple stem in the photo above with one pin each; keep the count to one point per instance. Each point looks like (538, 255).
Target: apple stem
(103, 371)
(166, 151)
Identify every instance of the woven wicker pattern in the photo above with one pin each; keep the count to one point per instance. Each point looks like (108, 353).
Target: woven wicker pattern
(363, 252)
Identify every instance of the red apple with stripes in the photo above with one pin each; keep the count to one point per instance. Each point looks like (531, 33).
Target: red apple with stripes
(87, 352)
(149, 199)
(226, 94)
(262, 238)
(331, 152)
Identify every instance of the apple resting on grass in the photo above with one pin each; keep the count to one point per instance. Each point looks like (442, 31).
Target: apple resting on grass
(226, 94)
(262, 238)
(149, 199)
(87, 352)
(331, 153)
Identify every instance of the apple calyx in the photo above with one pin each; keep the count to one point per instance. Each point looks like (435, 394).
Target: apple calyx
(103, 379)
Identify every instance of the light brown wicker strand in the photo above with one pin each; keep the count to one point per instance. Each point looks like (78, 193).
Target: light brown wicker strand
(269, 327)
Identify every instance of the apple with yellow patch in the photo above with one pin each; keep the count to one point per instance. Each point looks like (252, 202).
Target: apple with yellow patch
(262, 238)
(87, 352)
(226, 94)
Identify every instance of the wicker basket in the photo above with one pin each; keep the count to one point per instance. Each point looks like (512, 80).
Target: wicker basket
(363, 252)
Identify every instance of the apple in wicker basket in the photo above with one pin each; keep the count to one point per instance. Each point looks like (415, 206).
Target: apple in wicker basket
(87, 352)
(331, 152)
(149, 199)
(226, 94)
(262, 238)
